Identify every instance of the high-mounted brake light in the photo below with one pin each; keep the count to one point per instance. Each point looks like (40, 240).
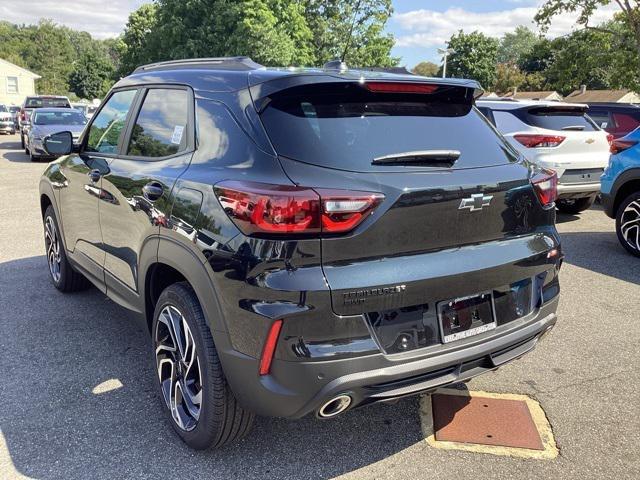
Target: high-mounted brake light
(618, 146)
(545, 184)
(539, 141)
(401, 87)
(266, 209)
(270, 347)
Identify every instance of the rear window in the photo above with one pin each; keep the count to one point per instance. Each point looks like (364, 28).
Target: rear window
(346, 126)
(39, 102)
(72, 117)
(557, 118)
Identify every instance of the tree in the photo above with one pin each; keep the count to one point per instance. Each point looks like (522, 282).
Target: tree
(351, 29)
(508, 77)
(629, 12)
(514, 45)
(475, 57)
(92, 74)
(426, 69)
(137, 44)
(272, 32)
(594, 58)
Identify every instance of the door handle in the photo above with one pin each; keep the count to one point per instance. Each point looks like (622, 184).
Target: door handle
(95, 175)
(152, 191)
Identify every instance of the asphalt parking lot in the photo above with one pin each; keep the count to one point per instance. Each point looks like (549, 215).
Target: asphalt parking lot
(56, 349)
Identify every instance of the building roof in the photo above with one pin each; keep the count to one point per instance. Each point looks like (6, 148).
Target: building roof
(584, 95)
(541, 95)
(23, 70)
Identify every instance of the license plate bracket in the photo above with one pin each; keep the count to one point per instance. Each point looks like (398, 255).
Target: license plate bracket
(466, 317)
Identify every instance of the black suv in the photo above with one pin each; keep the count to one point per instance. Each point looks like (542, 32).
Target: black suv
(303, 240)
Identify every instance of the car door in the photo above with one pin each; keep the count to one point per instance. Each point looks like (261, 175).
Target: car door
(81, 194)
(157, 148)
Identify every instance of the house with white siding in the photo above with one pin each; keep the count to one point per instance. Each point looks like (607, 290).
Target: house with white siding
(15, 83)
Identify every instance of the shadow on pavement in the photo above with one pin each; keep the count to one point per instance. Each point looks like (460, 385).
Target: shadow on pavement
(13, 150)
(589, 249)
(57, 348)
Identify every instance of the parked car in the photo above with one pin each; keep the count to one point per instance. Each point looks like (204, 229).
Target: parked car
(621, 190)
(38, 101)
(558, 136)
(618, 119)
(87, 109)
(45, 121)
(310, 241)
(15, 112)
(6, 120)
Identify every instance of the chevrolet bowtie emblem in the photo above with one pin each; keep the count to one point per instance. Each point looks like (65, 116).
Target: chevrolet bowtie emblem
(475, 202)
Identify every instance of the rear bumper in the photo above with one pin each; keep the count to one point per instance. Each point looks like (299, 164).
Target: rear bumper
(295, 389)
(577, 189)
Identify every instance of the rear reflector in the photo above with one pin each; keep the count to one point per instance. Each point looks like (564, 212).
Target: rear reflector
(266, 209)
(539, 141)
(618, 146)
(400, 87)
(545, 184)
(270, 347)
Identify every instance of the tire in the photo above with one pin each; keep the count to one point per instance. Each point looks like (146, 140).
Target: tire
(577, 205)
(61, 273)
(33, 158)
(218, 419)
(628, 223)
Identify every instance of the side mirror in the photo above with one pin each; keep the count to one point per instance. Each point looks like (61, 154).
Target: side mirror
(57, 144)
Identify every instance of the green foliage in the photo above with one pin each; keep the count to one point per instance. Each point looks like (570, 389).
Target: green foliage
(508, 77)
(426, 69)
(272, 32)
(92, 74)
(138, 43)
(352, 26)
(627, 37)
(475, 57)
(516, 44)
(64, 58)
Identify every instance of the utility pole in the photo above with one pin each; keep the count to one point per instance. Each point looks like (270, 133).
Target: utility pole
(445, 52)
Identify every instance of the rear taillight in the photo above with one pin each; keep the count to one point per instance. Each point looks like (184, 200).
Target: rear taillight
(270, 347)
(539, 141)
(619, 145)
(266, 209)
(545, 183)
(400, 87)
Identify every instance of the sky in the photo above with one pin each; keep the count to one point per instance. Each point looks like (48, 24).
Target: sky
(419, 26)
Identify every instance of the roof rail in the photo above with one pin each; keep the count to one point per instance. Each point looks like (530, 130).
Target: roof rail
(222, 63)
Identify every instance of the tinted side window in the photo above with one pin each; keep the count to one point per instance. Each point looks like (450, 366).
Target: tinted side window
(160, 129)
(108, 124)
(601, 117)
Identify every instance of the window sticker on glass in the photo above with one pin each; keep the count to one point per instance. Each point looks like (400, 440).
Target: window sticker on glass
(176, 138)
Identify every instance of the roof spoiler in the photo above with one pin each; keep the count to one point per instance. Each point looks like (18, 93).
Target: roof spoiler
(262, 91)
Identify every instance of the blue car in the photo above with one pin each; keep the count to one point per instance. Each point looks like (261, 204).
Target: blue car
(620, 185)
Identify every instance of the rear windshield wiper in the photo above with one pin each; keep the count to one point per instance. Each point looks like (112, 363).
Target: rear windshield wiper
(430, 158)
(577, 128)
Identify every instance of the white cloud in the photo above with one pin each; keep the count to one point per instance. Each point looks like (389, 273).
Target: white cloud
(101, 18)
(428, 28)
